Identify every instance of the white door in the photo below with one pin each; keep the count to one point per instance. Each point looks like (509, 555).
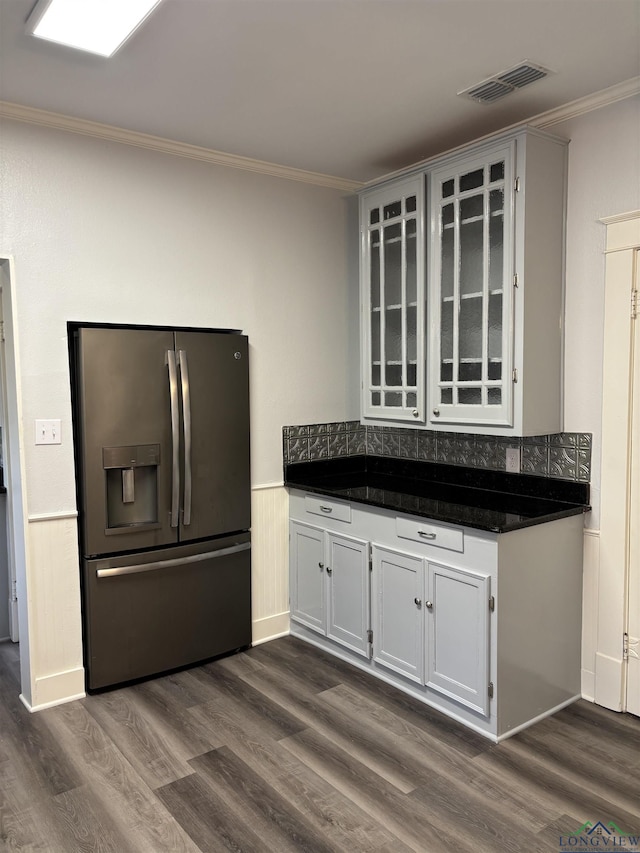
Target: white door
(398, 615)
(307, 576)
(615, 631)
(458, 635)
(472, 290)
(633, 628)
(393, 299)
(348, 610)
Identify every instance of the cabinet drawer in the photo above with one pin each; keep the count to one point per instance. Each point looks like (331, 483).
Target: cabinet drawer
(327, 508)
(430, 533)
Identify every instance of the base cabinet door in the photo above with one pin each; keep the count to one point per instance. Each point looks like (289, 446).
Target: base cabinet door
(398, 621)
(307, 576)
(329, 585)
(348, 608)
(457, 635)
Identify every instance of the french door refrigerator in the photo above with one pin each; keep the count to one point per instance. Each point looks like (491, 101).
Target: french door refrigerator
(161, 423)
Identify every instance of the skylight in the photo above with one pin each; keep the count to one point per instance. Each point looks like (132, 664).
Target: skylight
(97, 26)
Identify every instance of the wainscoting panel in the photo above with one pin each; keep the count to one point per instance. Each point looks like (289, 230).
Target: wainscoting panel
(53, 583)
(270, 561)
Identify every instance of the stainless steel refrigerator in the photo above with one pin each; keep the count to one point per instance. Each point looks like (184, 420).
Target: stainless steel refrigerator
(161, 427)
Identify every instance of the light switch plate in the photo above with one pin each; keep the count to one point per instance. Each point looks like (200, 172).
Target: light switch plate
(48, 431)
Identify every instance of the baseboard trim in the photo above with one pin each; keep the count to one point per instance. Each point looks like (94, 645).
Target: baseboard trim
(537, 719)
(270, 628)
(588, 683)
(608, 682)
(56, 689)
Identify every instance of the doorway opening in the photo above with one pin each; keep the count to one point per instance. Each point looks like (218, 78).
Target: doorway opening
(13, 478)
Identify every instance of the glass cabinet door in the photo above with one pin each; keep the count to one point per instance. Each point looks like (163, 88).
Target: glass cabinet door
(471, 290)
(393, 292)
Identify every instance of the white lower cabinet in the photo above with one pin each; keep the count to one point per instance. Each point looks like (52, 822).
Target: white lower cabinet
(431, 624)
(330, 585)
(457, 609)
(485, 627)
(307, 584)
(398, 624)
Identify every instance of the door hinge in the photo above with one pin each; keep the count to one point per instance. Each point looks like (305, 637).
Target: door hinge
(516, 185)
(634, 306)
(2, 331)
(14, 591)
(515, 279)
(625, 646)
(514, 374)
(370, 563)
(491, 690)
(370, 636)
(492, 603)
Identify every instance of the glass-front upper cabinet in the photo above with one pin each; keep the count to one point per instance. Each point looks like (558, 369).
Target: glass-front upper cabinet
(471, 290)
(393, 302)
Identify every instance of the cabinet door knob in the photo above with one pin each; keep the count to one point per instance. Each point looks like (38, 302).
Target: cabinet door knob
(429, 605)
(329, 570)
(321, 565)
(418, 601)
(415, 413)
(436, 412)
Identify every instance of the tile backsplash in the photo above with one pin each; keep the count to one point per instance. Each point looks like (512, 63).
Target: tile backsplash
(565, 455)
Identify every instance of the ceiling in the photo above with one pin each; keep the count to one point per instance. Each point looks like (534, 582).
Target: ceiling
(349, 88)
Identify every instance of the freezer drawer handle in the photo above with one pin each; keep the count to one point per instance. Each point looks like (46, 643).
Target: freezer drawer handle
(168, 564)
(175, 439)
(186, 420)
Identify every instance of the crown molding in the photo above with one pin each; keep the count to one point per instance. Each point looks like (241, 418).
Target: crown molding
(17, 112)
(621, 217)
(57, 121)
(626, 89)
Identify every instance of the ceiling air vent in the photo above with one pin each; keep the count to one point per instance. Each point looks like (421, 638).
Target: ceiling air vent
(496, 87)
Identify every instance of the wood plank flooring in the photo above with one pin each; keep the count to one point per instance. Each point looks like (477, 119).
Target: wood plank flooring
(284, 748)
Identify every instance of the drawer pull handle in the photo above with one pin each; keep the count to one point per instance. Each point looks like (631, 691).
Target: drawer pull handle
(426, 535)
(418, 601)
(429, 605)
(329, 570)
(326, 508)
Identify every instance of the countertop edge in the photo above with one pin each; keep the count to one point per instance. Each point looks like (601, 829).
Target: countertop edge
(564, 510)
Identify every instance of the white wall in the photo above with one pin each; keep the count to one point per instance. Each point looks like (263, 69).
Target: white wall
(101, 231)
(604, 180)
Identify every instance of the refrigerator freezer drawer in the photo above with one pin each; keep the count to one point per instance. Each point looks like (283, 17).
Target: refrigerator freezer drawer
(153, 612)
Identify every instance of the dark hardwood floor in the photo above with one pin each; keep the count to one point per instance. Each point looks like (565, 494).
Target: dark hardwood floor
(283, 748)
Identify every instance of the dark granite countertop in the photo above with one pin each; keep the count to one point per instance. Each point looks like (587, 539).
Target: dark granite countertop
(486, 500)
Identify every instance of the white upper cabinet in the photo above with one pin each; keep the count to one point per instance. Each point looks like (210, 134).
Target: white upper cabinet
(471, 303)
(393, 302)
(492, 264)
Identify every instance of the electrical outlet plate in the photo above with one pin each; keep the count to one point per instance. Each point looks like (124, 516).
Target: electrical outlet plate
(48, 431)
(513, 460)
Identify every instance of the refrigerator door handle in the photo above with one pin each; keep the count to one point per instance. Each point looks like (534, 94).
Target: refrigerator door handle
(168, 564)
(175, 438)
(186, 420)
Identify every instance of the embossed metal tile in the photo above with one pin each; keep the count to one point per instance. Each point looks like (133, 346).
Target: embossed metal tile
(565, 456)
